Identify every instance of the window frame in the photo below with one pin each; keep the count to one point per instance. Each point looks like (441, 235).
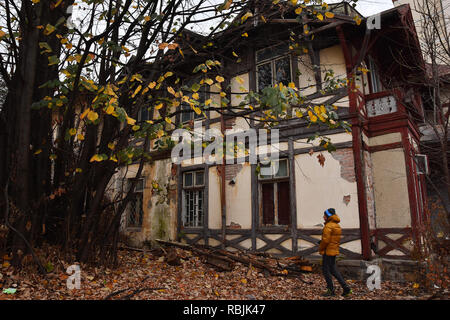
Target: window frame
(196, 188)
(375, 85)
(135, 192)
(275, 177)
(272, 60)
(184, 106)
(275, 181)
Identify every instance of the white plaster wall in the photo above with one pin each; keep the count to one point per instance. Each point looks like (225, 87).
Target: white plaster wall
(319, 188)
(238, 199)
(391, 189)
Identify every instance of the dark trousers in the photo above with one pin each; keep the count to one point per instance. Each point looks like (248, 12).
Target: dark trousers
(329, 269)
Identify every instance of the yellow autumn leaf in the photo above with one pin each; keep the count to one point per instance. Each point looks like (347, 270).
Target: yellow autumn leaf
(196, 96)
(110, 109)
(244, 281)
(223, 94)
(96, 157)
(109, 90)
(80, 137)
(159, 106)
(320, 17)
(220, 79)
(84, 114)
(197, 110)
(72, 131)
(78, 170)
(49, 29)
(171, 90)
(136, 91)
(131, 121)
(245, 34)
(38, 151)
(208, 102)
(240, 80)
(312, 117)
(246, 16)
(329, 14)
(135, 128)
(92, 115)
(168, 120)
(298, 10)
(152, 84)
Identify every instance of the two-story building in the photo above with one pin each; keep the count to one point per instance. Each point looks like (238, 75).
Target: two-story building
(372, 179)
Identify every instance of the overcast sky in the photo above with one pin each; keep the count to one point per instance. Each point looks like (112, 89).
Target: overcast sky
(369, 7)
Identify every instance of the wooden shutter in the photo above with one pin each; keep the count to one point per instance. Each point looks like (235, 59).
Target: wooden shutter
(284, 212)
(268, 203)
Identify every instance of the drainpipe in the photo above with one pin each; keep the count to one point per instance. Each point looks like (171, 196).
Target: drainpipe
(222, 171)
(222, 187)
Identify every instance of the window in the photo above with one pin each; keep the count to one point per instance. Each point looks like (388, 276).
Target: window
(375, 83)
(273, 65)
(135, 206)
(274, 194)
(193, 198)
(191, 115)
(144, 114)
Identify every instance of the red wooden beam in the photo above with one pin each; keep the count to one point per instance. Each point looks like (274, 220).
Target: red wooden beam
(357, 148)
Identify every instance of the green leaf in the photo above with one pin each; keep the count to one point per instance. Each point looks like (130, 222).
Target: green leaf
(52, 60)
(49, 267)
(46, 46)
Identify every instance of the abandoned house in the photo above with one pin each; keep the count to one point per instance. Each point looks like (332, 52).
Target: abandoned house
(372, 179)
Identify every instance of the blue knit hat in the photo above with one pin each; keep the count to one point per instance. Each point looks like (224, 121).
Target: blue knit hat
(329, 212)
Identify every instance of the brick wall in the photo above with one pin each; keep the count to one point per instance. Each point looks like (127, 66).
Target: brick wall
(346, 160)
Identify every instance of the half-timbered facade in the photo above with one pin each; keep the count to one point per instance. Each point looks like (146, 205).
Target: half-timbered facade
(372, 179)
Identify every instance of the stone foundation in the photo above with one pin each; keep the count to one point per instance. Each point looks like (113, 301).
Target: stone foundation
(391, 269)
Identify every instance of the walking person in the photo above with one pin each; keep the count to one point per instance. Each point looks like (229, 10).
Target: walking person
(329, 249)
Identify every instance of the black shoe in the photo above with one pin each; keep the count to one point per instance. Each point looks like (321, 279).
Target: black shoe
(347, 292)
(328, 293)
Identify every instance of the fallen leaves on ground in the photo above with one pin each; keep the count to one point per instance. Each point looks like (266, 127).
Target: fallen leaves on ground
(147, 276)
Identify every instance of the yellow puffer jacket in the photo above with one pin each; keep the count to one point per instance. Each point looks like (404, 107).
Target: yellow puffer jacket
(331, 237)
